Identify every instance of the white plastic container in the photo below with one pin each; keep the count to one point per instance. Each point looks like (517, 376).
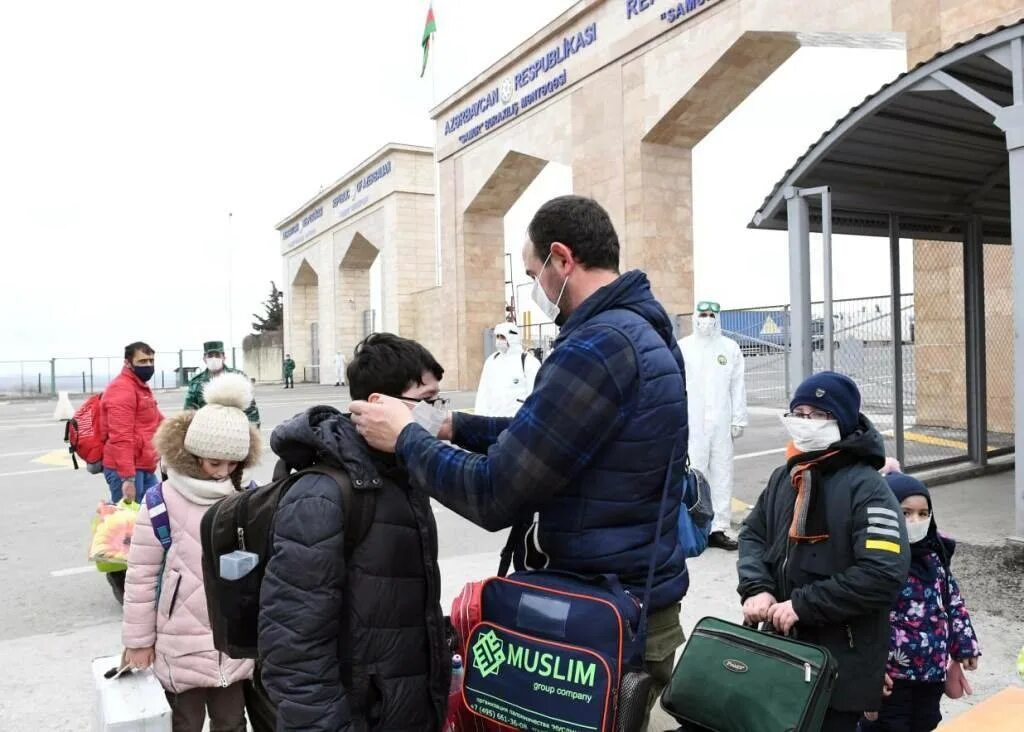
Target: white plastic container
(134, 702)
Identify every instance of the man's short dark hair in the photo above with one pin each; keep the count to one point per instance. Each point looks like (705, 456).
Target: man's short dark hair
(138, 347)
(582, 225)
(388, 364)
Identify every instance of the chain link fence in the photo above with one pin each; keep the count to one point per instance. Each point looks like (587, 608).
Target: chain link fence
(91, 374)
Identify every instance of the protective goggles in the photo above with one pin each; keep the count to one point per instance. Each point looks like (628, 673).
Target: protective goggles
(706, 306)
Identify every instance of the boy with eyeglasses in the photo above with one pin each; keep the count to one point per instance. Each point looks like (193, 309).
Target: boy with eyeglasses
(356, 643)
(825, 551)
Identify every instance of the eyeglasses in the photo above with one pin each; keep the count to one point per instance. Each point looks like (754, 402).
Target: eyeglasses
(439, 402)
(813, 414)
(705, 306)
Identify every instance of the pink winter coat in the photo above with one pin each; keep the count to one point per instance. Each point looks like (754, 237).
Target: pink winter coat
(180, 626)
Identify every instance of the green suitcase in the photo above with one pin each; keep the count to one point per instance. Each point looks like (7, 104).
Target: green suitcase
(732, 678)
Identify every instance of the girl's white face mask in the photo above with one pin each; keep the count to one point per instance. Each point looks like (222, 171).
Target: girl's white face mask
(918, 530)
(811, 435)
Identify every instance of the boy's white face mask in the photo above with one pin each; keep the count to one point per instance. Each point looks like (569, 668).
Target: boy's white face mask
(811, 435)
(429, 418)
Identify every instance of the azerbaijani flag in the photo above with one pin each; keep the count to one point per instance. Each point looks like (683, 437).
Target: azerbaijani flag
(428, 30)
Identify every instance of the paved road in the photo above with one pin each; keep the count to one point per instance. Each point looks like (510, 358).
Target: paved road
(57, 613)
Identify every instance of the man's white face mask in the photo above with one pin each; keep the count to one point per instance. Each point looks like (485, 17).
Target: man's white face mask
(705, 326)
(214, 363)
(501, 345)
(811, 435)
(551, 309)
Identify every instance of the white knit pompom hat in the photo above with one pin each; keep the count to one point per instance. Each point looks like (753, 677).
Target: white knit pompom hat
(220, 430)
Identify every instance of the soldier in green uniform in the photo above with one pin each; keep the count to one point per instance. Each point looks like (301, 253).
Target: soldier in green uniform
(213, 357)
(289, 371)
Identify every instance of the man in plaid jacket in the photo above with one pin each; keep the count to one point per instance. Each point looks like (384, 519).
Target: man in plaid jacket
(584, 461)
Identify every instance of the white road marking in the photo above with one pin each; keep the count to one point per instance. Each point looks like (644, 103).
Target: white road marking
(31, 472)
(37, 451)
(73, 571)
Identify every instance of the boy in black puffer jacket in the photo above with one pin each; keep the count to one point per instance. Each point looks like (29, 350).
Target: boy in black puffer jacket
(356, 644)
(824, 552)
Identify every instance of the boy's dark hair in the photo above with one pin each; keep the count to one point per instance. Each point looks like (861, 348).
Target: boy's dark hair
(137, 347)
(582, 225)
(384, 363)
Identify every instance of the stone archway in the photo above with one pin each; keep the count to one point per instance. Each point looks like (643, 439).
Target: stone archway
(353, 300)
(659, 221)
(303, 320)
(481, 267)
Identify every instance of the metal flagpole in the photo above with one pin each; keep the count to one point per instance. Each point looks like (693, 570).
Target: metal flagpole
(437, 168)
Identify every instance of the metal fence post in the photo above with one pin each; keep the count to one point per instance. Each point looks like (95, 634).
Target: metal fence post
(53, 376)
(92, 381)
(897, 336)
(83, 382)
(181, 368)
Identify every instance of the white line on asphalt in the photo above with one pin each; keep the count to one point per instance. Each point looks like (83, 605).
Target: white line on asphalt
(73, 570)
(759, 454)
(30, 472)
(48, 425)
(37, 452)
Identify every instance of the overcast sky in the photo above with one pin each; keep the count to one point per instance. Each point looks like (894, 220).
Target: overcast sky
(132, 129)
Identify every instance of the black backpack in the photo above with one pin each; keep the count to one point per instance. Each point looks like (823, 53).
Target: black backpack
(245, 520)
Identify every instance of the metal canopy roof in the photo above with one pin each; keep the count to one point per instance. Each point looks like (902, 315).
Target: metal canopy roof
(917, 149)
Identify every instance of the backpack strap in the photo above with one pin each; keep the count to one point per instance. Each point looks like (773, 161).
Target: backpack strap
(158, 517)
(358, 506)
(67, 438)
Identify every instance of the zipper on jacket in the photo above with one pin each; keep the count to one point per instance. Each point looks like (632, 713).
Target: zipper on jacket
(849, 635)
(220, 670)
(241, 538)
(764, 650)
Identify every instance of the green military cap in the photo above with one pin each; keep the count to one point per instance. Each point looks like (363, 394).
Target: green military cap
(213, 347)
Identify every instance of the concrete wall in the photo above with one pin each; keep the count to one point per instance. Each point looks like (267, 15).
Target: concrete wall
(263, 357)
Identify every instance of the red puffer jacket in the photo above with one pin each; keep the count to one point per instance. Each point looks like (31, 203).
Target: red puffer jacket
(130, 416)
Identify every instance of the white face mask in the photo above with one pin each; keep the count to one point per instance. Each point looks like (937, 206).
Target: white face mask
(428, 417)
(501, 346)
(705, 326)
(918, 530)
(540, 297)
(214, 363)
(811, 435)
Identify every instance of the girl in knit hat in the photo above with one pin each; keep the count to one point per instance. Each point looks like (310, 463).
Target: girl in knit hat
(932, 639)
(166, 622)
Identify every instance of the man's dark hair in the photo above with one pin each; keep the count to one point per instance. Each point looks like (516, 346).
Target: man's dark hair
(582, 225)
(388, 364)
(138, 347)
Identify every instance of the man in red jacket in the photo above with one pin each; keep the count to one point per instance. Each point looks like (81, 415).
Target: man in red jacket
(130, 416)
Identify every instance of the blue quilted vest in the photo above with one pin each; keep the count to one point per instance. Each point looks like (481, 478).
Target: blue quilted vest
(605, 521)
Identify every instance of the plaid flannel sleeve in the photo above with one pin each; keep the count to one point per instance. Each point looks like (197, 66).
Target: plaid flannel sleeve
(477, 433)
(583, 395)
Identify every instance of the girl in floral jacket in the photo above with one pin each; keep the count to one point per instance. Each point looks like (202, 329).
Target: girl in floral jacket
(930, 625)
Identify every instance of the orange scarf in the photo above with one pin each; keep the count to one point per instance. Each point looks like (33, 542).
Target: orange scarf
(809, 522)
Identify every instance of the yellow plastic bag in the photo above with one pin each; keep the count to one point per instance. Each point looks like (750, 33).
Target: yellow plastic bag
(112, 529)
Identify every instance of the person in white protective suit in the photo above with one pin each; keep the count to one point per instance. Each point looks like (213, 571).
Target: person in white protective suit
(508, 375)
(339, 369)
(717, 406)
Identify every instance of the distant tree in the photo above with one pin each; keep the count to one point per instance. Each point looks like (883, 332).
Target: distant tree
(274, 317)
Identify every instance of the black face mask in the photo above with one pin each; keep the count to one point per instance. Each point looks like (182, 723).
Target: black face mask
(145, 373)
